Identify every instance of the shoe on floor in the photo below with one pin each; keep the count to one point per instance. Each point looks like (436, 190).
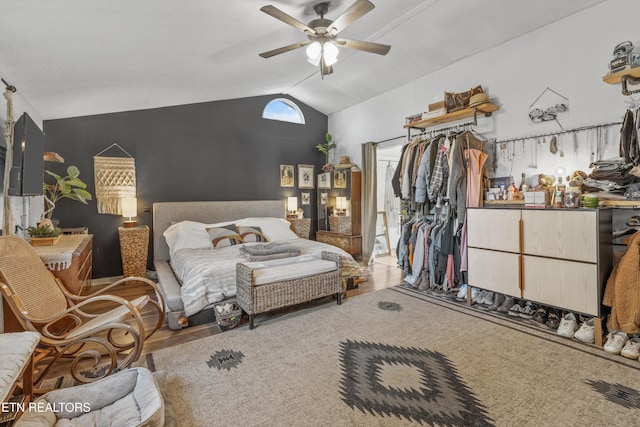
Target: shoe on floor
(498, 300)
(462, 293)
(586, 332)
(487, 298)
(568, 326)
(553, 320)
(475, 293)
(516, 309)
(541, 315)
(506, 304)
(527, 311)
(631, 349)
(615, 341)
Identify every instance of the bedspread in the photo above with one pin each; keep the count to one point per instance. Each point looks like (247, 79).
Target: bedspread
(209, 275)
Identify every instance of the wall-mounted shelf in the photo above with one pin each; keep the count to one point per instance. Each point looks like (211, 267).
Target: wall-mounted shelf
(486, 109)
(614, 78)
(50, 156)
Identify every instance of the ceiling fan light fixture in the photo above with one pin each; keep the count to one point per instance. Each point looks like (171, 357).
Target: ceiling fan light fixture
(330, 53)
(314, 50)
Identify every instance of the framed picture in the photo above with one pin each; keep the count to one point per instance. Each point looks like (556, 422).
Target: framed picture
(286, 176)
(305, 176)
(323, 198)
(306, 198)
(340, 178)
(324, 181)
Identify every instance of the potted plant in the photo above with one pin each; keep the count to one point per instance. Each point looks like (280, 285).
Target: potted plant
(64, 187)
(44, 234)
(326, 149)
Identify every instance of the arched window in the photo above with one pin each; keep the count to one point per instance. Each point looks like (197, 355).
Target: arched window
(284, 110)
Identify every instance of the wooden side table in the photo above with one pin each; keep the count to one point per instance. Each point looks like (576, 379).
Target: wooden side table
(134, 246)
(301, 226)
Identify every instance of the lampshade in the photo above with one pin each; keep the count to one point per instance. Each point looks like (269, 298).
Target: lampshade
(327, 51)
(341, 203)
(292, 204)
(129, 206)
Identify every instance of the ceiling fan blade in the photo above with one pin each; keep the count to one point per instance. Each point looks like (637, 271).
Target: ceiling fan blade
(278, 14)
(357, 10)
(283, 49)
(380, 49)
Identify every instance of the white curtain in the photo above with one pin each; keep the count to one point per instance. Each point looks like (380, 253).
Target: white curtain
(369, 200)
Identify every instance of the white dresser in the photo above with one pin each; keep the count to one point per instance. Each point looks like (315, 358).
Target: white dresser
(556, 257)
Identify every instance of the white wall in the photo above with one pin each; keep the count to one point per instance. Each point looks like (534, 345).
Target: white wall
(570, 56)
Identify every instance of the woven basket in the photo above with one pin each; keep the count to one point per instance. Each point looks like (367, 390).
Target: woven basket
(340, 224)
(229, 320)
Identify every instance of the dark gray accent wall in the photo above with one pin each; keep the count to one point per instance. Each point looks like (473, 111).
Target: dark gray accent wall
(220, 150)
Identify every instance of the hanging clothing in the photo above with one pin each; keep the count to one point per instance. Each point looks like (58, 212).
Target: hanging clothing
(628, 149)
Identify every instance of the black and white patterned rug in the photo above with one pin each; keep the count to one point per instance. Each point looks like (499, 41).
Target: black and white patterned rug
(417, 384)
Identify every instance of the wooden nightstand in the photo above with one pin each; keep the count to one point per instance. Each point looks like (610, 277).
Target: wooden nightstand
(301, 226)
(134, 247)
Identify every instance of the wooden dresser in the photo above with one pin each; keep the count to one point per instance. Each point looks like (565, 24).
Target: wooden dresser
(77, 277)
(349, 242)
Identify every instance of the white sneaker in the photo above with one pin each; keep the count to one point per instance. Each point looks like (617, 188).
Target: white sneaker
(586, 332)
(462, 293)
(568, 326)
(631, 349)
(615, 341)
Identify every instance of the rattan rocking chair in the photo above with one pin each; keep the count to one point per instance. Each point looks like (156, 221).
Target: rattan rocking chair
(98, 338)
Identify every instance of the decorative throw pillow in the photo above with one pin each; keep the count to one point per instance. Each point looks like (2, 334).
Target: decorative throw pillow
(224, 236)
(251, 234)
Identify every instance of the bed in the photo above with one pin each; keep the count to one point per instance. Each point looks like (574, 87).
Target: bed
(193, 275)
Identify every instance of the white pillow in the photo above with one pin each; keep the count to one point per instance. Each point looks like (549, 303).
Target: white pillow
(187, 235)
(273, 228)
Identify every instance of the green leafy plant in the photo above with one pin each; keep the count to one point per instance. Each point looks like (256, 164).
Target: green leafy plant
(327, 146)
(43, 231)
(64, 187)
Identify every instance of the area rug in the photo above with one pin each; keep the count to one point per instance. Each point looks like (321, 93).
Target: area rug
(389, 358)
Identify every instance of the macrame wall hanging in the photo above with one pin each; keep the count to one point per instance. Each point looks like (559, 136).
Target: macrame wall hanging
(115, 178)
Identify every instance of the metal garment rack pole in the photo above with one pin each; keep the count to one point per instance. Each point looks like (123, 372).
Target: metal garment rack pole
(580, 129)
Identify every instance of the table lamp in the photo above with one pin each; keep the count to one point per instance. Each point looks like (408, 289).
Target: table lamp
(292, 207)
(129, 207)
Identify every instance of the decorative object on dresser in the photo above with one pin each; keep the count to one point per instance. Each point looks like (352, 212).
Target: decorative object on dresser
(555, 257)
(74, 327)
(134, 246)
(339, 221)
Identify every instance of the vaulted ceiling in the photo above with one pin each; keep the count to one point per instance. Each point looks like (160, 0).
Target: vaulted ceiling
(77, 57)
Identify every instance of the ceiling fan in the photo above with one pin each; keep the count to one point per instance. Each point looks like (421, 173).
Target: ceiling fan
(322, 46)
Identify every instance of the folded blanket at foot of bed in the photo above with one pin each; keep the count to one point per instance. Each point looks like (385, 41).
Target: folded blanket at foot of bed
(272, 248)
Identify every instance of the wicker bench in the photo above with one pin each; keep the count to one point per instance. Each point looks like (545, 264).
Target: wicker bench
(263, 289)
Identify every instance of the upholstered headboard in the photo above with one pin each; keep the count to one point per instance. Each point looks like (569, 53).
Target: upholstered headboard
(166, 213)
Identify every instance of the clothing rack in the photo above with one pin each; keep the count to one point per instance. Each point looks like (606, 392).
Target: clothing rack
(580, 129)
(461, 127)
